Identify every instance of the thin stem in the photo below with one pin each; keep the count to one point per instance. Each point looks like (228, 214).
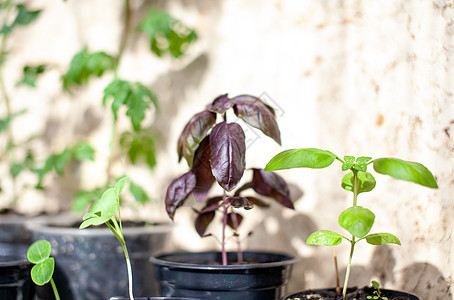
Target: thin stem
(355, 186)
(128, 265)
(347, 272)
(224, 226)
(113, 139)
(124, 35)
(54, 288)
(120, 238)
(10, 144)
(337, 271)
(238, 240)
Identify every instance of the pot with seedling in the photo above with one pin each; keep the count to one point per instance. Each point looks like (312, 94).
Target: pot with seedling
(106, 210)
(357, 220)
(215, 152)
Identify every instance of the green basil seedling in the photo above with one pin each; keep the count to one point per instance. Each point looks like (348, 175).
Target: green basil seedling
(357, 220)
(39, 254)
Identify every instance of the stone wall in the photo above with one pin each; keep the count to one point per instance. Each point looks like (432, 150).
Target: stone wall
(355, 77)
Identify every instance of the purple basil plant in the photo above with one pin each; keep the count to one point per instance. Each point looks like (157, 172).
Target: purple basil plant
(215, 152)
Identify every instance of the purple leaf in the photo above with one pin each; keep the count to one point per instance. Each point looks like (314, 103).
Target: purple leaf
(234, 220)
(271, 185)
(257, 202)
(257, 114)
(193, 133)
(202, 221)
(228, 149)
(178, 191)
(212, 204)
(202, 170)
(238, 202)
(221, 104)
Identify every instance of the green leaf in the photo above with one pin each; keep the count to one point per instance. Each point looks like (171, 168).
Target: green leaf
(349, 161)
(138, 193)
(102, 210)
(382, 238)
(42, 273)
(324, 238)
(84, 198)
(5, 123)
(39, 251)
(166, 34)
(105, 208)
(25, 16)
(119, 185)
(301, 158)
(135, 96)
(140, 146)
(83, 152)
(30, 74)
(375, 284)
(85, 65)
(357, 220)
(405, 170)
(366, 182)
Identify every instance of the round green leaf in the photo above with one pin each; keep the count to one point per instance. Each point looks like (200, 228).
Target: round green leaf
(357, 220)
(42, 272)
(405, 170)
(324, 238)
(301, 158)
(38, 251)
(382, 238)
(366, 182)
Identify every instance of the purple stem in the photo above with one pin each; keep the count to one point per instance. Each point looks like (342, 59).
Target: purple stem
(224, 225)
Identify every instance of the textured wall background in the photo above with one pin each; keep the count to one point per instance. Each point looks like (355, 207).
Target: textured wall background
(355, 77)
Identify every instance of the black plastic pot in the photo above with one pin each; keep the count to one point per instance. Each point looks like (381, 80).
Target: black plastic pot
(15, 280)
(153, 298)
(202, 275)
(90, 263)
(331, 294)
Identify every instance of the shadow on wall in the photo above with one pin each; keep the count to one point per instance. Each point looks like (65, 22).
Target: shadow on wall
(422, 279)
(426, 281)
(171, 89)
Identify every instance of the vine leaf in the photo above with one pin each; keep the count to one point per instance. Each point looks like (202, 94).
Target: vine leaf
(85, 65)
(228, 149)
(255, 113)
(30, 75)
(135, 96)
(193, 133)
(166, 33)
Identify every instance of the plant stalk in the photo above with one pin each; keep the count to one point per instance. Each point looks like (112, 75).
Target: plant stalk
(337, 271)
(54, 288)
(128, 265)
(224, 225)
(347, 272)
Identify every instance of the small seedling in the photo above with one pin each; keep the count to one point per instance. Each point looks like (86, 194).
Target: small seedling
(357, 220)
(377, 292)
(39, 254)
(104, 211)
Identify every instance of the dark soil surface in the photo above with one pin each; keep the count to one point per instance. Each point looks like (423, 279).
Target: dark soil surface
(353, 294)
